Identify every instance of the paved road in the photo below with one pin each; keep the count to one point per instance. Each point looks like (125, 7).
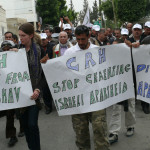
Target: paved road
(57, 133)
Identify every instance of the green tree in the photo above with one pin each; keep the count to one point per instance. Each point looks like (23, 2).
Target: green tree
(108, 9)
(52, 10)
(94, 12)
(72, 14)
(130, 10)
(126, 10)
(49, 11)
(63, 8)
(147, 10)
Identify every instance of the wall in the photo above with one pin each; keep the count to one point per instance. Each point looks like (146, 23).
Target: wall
(20, 9)
(3, 24)
(14, 23)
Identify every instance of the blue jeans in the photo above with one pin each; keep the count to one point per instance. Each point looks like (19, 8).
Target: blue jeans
(31, 129)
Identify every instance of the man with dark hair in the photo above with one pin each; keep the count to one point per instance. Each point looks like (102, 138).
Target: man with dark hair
(117, 33)
(102, 38)
(15, 39)
(129, 27)
(97, 118)
(110, 36)
(8, 35)
(49, 33)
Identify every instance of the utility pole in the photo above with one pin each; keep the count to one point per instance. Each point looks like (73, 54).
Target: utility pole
(71, 5)
(99, 7)
(115, 20)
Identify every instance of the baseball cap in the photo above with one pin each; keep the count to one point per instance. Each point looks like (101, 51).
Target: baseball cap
(67, 26)
(43, 35)
(7, 43)
(124, 31)
(55, 35)
(137, 26)
(147, 24)
(96, 27)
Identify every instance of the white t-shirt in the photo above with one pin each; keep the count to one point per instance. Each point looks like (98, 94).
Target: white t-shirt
(76, 48)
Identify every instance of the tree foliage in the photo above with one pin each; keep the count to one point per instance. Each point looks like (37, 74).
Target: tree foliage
(126, 10)
(130, 10)
(108, 9)
(52, 10)
(94, 12)
(147, 10)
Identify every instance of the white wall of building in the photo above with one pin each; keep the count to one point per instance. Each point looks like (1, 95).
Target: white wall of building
(3, 24)
(20, 9)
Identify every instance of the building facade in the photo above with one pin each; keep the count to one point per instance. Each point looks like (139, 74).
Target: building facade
(20, 9)
(3, 24)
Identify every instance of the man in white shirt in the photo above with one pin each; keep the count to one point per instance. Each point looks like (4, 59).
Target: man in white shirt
(97, 118)
(82, 43)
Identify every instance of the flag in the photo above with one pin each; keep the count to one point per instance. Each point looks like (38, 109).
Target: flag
(86, 20)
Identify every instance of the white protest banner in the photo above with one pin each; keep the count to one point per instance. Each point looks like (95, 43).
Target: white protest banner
(141, 58)
(15, 84)
(90, 80)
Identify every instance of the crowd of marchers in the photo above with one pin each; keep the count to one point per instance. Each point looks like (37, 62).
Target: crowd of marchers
(49, 43)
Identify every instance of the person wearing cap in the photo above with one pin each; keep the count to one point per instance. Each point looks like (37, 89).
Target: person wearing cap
(146, 30)
(135, 42)
(145, 40)
(95, 30)
(47, 97)
(46, 46)
(124, 34)
(137, 32)
(9, 45)
(129, 108)
(66, 18)
(130, 120)
(55, 35)
(68, 29)
(94, 34)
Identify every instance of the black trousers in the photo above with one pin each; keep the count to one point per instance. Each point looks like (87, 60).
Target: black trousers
(47, 97)
(31, 129)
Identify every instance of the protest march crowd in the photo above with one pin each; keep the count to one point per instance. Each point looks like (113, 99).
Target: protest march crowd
(42, 45)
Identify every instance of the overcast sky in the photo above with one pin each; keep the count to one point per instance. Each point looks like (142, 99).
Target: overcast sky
(78, 4)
